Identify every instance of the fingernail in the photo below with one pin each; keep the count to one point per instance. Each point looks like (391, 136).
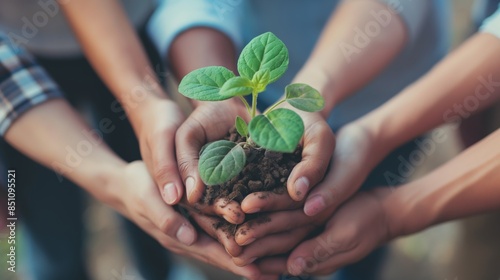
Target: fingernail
(248, 241)
(185, 235)
(314, 205)
(301, 187)
(170, 193)
(251, 211)
(189, 185)
(298, 266)
(251, 260)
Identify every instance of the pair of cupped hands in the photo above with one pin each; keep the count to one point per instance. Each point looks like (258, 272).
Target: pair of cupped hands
(311, 229)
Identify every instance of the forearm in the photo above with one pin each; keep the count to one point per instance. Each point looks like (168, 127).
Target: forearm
(200, 47)
(55, 136)
(467, 185)
(338, 65)
(462, 84)
(115, 51)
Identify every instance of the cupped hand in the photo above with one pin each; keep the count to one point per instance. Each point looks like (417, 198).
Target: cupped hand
(134, 194)
(354, 158)
(358, 227)
(159, 121)
(208, 122)
(318, 144)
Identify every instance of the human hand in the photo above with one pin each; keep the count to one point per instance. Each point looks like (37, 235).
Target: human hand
(133, 193)
(355, 156)
(358, 227)
(159, 121)
(318, 144)
(208, 122)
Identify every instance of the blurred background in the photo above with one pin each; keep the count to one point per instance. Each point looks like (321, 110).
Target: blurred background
(462, 250)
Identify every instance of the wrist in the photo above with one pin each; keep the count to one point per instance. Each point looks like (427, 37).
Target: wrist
(321, 81)
(405, 211)
(97, 173)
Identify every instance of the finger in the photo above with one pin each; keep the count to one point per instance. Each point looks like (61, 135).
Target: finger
(272, 245)
(229, 211)
(209, 251)
(319, 143)
(316, 253)
(275, 223)
(189, 140)
(209, 225)
(272, 265)
(343, 178)
(164, 167)
(168, 221)
(268, 201)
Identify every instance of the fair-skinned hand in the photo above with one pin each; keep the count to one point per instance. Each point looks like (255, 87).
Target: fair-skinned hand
(159, 121)
(358, 227)
(347, 172)
(133, 193)
(210, 121)
(318, 144)
(354, 158)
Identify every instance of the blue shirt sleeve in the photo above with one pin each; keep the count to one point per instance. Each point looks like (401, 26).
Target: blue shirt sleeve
(492, 24)
(173, 17)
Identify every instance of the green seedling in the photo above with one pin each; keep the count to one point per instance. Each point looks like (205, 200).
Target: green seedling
(263, 61)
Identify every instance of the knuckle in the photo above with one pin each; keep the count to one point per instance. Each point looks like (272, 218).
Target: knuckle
(163, 170)
(184, 165)
(167, 224)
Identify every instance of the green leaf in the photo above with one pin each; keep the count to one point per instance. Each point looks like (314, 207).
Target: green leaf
(205, 83)
(241, 126)
(264, 52)
(280, 130)
(261, 79)
(304, 97)
(220, 162)
(237, 86)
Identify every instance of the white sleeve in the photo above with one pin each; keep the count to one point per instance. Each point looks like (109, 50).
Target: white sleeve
(492, 24)
(173, 17)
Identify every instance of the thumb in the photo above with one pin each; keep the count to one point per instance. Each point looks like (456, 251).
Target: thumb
(189, 139)
(164, 167)
(350, 166)
(319, 143)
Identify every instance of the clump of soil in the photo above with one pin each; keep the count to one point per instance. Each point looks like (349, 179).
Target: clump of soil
(264, 171)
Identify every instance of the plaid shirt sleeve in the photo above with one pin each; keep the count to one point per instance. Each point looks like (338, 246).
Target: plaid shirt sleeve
(23, 84)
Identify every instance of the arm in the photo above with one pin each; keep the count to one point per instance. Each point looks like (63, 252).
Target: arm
(339, 64)
(113, 48)
(466, 185)
(128, 188)
(468, 74)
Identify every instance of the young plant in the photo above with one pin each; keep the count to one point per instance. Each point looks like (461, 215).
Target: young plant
(263, 61)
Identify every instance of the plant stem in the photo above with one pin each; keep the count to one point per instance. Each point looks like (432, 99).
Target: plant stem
(246, 104)
(254, 103)
(274, 106)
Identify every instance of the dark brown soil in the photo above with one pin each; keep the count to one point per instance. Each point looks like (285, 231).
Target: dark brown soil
(264, 171)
